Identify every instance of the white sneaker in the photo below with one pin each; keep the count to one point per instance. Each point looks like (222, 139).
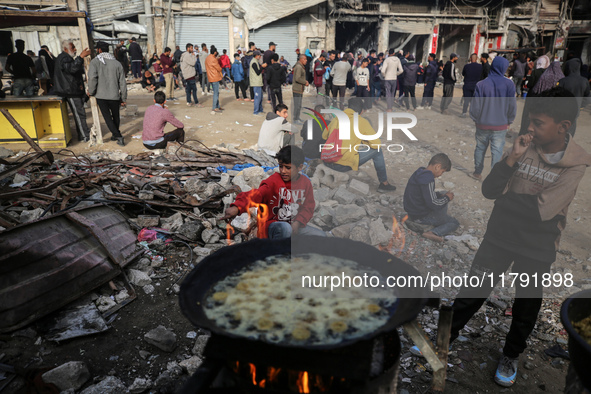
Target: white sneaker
(420, 107)
(202, 93)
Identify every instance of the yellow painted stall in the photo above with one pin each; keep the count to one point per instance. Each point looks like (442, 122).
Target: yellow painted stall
(44, 118)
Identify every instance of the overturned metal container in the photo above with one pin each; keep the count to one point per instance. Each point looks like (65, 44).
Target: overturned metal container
(46, 264)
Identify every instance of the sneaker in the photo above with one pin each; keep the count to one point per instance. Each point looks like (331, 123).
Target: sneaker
(506, 371)
(429, 107)
(444, 112)
(386, 188)
(476, 176)
(121, 141)
(113, 138)
(463, 115)
(86, 139)
(420, 107)
(189, 104)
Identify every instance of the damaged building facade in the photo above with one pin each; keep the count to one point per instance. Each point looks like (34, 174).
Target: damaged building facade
(418, 26)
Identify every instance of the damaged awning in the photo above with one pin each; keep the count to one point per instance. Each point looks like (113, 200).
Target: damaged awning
(123, 27)
(258, 13)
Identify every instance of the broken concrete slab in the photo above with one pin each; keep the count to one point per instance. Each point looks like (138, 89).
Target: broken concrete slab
(174, 222)
(253, 176)
(140, 385)
(138, 278)
(105, 303)
(348, 213)
(31, 215)
(343, 196)
(358, 186)
(378, 234)
(5, 152)
(76, 321)
(241, 183)
(191, 364)
(199, 251)
(148, 221)
(109, 385)
(191, 230)
(71, 375)
(200, 344)
(161, 337)
(195, 185)
(241, 222)
(210, 236)
(329, 177)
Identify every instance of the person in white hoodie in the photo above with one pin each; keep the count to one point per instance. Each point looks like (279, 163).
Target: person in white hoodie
(276, 132)
(391, 69)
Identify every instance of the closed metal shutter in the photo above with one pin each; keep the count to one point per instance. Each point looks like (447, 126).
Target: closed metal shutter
(211, 30)
(284, 33)
(416, 27)
(107, 10)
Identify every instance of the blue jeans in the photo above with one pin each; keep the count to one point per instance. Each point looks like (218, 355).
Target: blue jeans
(216, 95)
(191, 87)
(364, 157)
(443, 223)
(278, 230)
(496, 139)
(377, 89)
(258, 99)
(23, 84)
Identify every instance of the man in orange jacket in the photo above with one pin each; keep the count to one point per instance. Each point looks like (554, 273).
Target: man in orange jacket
(214, 75)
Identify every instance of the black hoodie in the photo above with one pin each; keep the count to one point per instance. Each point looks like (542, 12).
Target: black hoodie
(275, 76)
(575, 83)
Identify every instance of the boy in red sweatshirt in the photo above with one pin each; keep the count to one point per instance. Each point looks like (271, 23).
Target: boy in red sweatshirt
(287, 195)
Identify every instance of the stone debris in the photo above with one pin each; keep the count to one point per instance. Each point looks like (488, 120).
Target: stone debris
(109, 385)
(190, 365)
(140, 385)
(138, 278)
(161, 337)
(71, 375)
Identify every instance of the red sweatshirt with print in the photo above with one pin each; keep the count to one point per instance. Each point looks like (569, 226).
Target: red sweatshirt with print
(286, 201)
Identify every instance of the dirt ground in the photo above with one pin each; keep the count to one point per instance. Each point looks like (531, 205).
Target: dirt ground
(117, 351)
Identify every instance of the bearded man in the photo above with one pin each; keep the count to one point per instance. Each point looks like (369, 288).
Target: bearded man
(68, 83)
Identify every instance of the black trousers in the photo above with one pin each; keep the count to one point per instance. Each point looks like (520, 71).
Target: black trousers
(77, 107)
(428, 94)
(338, 90)
(276, 97)
(491, 259)
(468, 94)
(177, 135)
(448, 93)
(110, 110)
(409, 91)
(242, 86)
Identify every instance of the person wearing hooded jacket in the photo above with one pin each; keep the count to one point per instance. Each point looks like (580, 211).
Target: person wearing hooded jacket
(275, 79)
(532, 188)
(409, 78)
(493, 109)
(578, 85)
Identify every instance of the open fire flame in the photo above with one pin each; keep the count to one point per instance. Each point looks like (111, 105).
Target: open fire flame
(262, 215)
(299, 381)
(398, 239)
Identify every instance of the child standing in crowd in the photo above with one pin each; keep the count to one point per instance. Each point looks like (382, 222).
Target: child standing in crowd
(238, 77)
(287, 195)
(424, 205)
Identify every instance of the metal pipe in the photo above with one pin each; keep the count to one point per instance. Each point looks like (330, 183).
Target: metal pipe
(150, 27)
(168, 12)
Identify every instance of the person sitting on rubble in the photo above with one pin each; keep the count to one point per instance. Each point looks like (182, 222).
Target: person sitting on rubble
(312, 144)
(149, 82)
(426, 207)
(287, 195)
(347, 155)
(155, 119)
(276, 131)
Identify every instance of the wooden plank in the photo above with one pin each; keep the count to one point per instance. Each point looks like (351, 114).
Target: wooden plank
(42, 14)
(100, 236)
(418, 336)
(96, 120)
(48, 158)
(443, 333)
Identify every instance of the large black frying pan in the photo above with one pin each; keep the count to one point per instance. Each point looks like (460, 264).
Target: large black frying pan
(198, 284)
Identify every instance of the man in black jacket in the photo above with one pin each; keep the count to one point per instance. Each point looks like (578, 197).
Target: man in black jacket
(135, 51)
(449, 81)
(578, 85)
(431, 74)
(275, 79)
(68, 83)
(485, 65)
(471, 73)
